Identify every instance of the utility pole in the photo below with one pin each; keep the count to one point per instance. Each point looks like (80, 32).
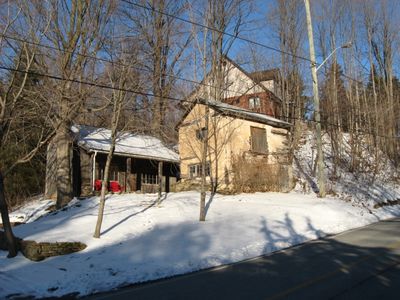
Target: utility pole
(320, 154)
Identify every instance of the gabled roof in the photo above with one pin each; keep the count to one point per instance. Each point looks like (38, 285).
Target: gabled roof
(256, 77)
(240, 113)
(127, 144)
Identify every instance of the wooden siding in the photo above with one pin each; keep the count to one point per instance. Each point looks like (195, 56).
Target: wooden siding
(129, 175)
(133, 177)
(267, 105)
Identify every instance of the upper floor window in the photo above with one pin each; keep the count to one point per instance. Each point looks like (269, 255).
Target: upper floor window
(201, 133)
(254, 102)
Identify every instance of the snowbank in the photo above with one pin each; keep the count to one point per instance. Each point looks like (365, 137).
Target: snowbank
(368, 187)
(31, 211)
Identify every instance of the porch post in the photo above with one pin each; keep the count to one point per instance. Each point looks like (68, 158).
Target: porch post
(128, 175)
(94, 170)
(160, 167)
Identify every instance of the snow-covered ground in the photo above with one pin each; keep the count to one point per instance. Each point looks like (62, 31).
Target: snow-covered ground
(31, 211)
(141, 241)
(372, 184)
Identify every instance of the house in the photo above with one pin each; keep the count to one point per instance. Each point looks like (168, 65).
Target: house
(234, 133)
(256, 91)
(134, 166)
(244, 126)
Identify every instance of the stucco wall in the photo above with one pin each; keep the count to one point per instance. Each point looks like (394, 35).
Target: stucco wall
(269, 84)
(232, 138)
(236, 84)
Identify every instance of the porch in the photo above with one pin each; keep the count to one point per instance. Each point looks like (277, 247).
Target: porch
(127, 174)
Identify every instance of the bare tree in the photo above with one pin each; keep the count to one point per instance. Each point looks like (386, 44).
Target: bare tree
(123, 78)
(163, 42)
(211, 48)
(77, 30)
(118, 79)
(15, 107)
(287, 21)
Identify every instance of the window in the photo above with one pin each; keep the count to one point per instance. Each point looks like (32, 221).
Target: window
(113, 175)
(149, 179)
(258, 140)
(195, 170)
(254, 102)
(201, 134)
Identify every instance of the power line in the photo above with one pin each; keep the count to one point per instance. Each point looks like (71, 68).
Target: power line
(183, 20)
(144, 69)
(134, 67)
(112, 62)
(94, 84)
(92, 57)
(107, 86)
(231, 35)
(236, 36)
(165, 97)
(236, 109)
(120, 64)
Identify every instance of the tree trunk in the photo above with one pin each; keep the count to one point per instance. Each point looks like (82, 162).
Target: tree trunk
(117, 108)
(103, 193)
(64, 180)
(202, 216)
(11, 243)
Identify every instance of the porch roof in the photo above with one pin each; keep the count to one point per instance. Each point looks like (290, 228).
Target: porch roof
(127, 144)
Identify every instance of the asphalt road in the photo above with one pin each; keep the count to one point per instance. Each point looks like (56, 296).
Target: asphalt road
(358, 264)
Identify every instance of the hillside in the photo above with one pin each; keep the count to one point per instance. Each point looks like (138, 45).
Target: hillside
(375, 183)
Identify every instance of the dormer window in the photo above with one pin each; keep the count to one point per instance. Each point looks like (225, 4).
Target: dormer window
(254, 102)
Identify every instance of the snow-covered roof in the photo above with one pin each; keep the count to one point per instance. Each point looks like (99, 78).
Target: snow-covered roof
(127, 144)
(239, 112)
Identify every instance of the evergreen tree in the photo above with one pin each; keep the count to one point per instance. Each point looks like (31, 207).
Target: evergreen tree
(23, 125)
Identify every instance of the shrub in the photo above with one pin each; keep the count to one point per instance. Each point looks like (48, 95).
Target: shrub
(257, 175)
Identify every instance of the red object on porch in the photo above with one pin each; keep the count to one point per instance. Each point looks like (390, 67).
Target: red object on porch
(97, 185)
(114, 187)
